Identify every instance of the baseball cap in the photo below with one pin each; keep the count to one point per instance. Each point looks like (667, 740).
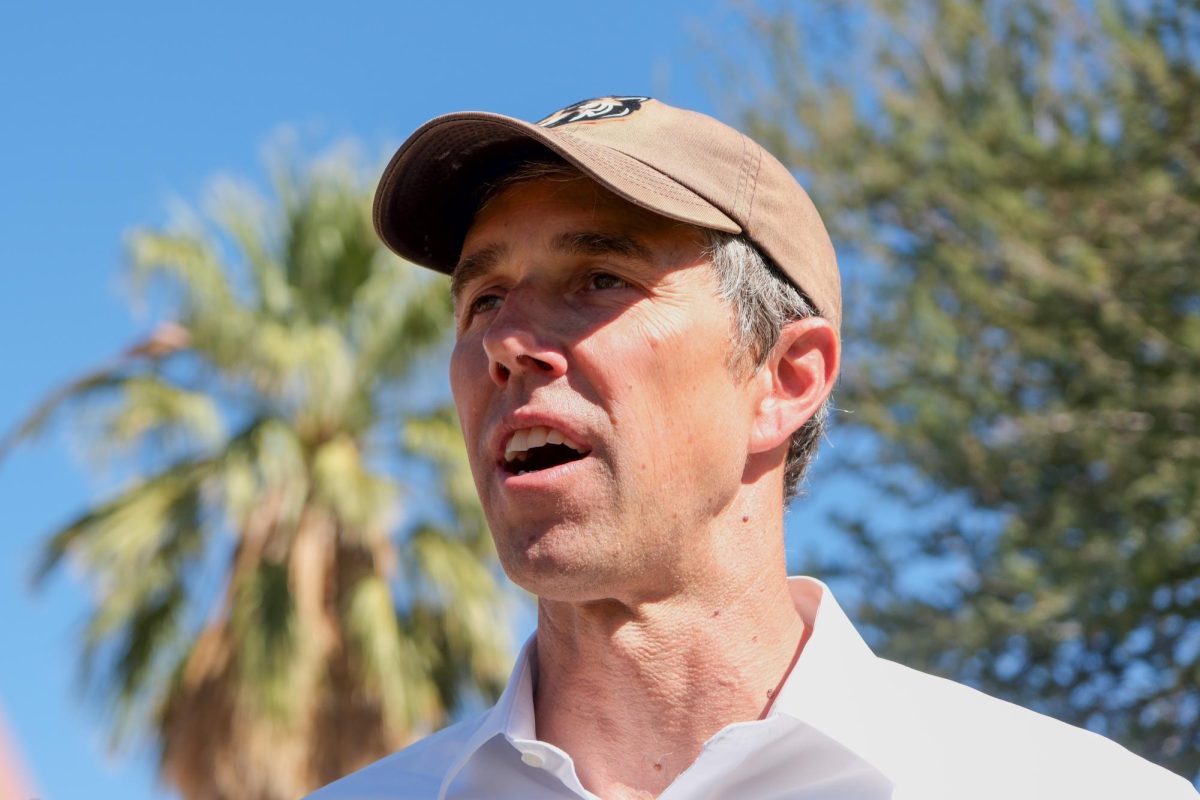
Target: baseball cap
(679, 164)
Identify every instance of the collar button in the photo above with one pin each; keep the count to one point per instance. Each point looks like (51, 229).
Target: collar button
(535, 760)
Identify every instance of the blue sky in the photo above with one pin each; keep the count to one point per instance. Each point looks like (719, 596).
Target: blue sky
(113, 111)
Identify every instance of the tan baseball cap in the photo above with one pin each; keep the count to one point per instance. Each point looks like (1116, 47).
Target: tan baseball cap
(677, 163)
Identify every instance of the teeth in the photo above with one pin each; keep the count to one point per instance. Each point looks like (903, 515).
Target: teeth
(519, 442)
(529, 438)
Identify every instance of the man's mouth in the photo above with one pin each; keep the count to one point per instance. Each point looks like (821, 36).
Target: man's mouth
(538, 448)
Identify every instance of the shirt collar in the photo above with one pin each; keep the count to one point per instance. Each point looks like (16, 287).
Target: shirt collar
(825, 690)
(511, 716)
(834, 685)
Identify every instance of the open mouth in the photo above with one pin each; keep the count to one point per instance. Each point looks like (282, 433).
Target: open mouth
(535, 449)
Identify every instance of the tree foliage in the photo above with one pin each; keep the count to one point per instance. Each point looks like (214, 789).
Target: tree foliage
(1014, 187)
(264, 612)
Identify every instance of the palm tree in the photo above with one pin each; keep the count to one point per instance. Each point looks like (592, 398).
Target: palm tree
(264, 612)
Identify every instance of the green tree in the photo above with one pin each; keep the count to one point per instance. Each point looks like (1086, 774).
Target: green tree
(263, 613)
(1014, 186)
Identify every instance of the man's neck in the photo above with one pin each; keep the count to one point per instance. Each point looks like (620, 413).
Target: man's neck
(632, 691)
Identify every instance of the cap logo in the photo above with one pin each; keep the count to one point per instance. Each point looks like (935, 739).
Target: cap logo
(595, 109)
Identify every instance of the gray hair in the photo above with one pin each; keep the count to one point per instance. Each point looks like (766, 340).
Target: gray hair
(763, 301)
(762, 298)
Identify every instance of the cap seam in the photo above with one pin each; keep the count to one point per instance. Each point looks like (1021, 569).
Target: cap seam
(743, 175)
(753, 183)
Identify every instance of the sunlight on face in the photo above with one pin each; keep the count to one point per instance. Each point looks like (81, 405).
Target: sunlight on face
(583, 318)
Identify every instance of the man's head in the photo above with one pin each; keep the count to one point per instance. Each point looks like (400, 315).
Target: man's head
(631, 365)
(761, 298)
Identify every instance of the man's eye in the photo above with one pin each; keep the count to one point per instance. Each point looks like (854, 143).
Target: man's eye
(485, 302)
(605, 280)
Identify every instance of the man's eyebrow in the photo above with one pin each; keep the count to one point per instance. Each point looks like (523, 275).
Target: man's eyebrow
(474, 265)
(595, 243)
(588, 243)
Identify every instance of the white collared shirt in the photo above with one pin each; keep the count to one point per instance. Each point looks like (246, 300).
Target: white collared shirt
(846, 725)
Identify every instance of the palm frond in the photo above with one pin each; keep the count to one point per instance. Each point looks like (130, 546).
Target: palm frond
(122, 535)
(393, 667)
(437, 438)
(364, 503)
(43, 414)
(150, 404)
(461, 612)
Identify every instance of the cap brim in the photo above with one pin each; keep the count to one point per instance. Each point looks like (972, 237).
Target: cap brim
(433, 185)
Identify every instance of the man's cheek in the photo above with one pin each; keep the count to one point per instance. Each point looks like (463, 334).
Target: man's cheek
(657, 333)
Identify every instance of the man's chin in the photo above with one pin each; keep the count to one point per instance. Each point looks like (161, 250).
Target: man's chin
(559, 564)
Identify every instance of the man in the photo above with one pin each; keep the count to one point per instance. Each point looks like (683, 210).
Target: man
(647, 309)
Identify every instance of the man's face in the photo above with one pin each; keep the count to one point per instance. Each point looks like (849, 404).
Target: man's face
(595, 326)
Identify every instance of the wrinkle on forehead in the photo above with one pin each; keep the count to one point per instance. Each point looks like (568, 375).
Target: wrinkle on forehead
(599, 243)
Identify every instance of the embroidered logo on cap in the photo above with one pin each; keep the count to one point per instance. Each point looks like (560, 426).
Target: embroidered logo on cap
(594, 109)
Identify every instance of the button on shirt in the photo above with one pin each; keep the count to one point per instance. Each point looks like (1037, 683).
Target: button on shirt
(846, 725)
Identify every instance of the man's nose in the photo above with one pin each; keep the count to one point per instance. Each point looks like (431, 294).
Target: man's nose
(519, 341)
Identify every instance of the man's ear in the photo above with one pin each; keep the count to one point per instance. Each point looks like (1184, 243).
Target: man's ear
(798, 377)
